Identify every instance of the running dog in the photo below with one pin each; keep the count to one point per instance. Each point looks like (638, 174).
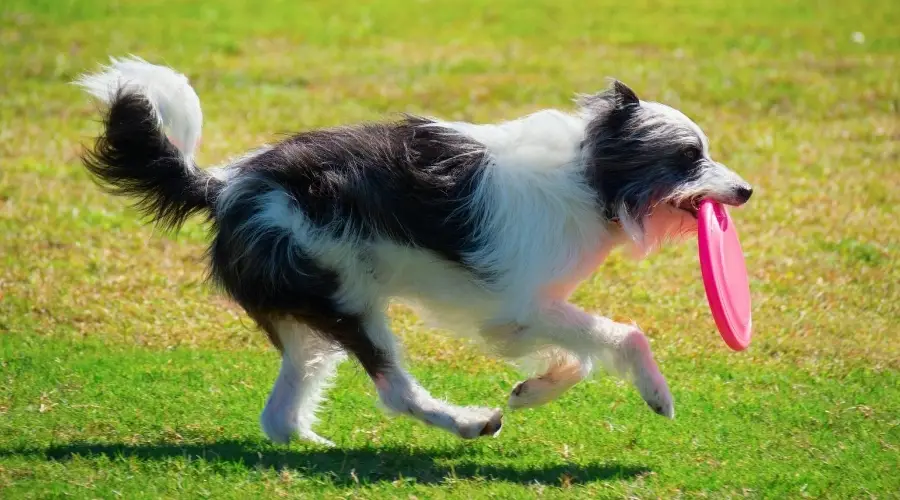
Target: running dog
(485, 228)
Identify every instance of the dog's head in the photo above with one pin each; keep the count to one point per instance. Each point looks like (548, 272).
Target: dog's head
(650, 165)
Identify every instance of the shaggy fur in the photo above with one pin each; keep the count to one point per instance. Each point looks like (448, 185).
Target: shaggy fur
(486, 229)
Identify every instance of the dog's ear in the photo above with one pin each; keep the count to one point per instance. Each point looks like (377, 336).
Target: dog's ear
(624, 95)
(616, 98)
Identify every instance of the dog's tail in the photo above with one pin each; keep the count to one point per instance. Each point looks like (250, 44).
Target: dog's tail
(134, 156)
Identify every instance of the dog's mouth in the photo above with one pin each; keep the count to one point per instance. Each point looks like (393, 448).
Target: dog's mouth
(690, 205)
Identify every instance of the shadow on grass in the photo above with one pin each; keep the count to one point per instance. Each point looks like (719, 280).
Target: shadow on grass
(368, 464)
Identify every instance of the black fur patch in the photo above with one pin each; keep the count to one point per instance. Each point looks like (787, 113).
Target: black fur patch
(271, 276)
(133, 157)
(634, 160)
(403, 182)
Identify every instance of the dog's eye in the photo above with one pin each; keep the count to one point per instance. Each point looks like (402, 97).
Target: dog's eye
(692, 154)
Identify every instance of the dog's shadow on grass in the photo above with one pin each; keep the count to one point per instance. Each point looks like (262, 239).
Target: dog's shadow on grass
(349, 466)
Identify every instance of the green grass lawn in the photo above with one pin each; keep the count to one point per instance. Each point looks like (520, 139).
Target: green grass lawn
(123, 374)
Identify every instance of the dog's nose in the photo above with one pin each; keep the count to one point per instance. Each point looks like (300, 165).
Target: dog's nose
(743, 193)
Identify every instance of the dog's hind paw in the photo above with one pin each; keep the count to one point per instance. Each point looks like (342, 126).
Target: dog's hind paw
(280, 430)
(314, 438)
(477, 422)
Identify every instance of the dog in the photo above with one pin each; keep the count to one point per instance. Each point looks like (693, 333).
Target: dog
(485, 229)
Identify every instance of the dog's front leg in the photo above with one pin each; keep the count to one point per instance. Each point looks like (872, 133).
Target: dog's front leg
(622, 349)
(563, 371)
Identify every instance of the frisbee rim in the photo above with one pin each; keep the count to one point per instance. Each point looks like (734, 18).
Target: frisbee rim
(714, 225)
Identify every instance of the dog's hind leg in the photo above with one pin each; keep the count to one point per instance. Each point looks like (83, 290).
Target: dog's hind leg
(400, 393)
(307, 364)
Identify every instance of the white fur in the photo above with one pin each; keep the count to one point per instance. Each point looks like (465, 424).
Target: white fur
(400, 393)
(307, 366)
(562, 371)
(171, 95)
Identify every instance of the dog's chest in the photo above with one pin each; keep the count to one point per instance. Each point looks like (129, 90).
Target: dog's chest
(590, 259)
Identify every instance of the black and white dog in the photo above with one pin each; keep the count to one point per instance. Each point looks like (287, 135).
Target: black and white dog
(485, 228)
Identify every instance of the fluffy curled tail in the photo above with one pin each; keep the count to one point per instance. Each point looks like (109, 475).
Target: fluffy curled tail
(134, 156)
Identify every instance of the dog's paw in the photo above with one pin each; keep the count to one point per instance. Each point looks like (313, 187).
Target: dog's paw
(280, 429)
(661, 403)
(276, 428)
(479, 422)
(646, 376)
(531, 393)
(537, 391)
(314, 438)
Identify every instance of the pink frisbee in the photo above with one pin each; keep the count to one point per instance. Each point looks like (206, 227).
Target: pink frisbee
(724, 274)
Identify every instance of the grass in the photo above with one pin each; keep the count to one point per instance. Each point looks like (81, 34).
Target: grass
(123, 374)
